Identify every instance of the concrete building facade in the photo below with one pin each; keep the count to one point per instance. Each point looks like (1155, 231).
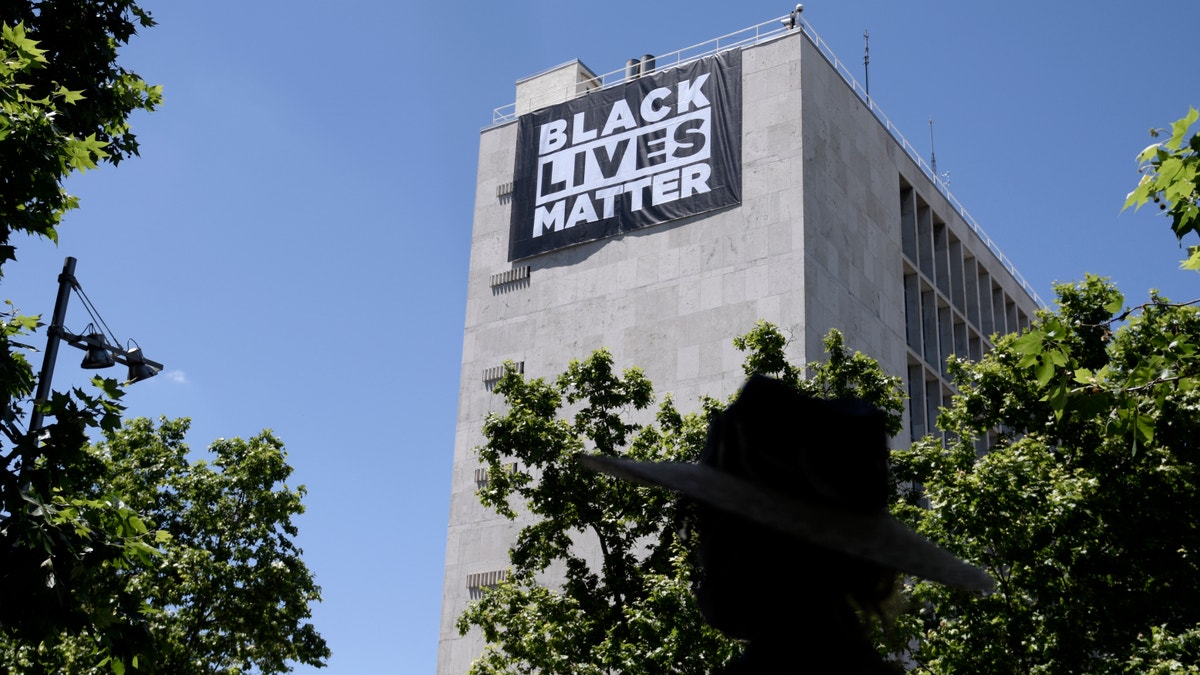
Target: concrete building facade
(839, 225)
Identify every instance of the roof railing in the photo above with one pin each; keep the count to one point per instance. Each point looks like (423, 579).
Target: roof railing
(742, 38)
(774, 28)
(916, 157)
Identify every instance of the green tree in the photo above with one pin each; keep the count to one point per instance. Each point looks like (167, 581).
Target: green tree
(64, 107)
(629, 607)
(1085, 507)
(1171, 179)
(63, 545)
(230, 591)
(65, 104)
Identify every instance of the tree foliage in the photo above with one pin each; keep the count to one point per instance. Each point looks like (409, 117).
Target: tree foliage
(1085, 507)
(228, 590)
(65, 103)
(1171, 179)
(63, 544)
(64, 107)
(601, 577)
(231, 591)
(125, 557)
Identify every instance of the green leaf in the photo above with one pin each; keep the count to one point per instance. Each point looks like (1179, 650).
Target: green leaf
(1115, 306)
(1029, 343)
(1193, 260)
(1044, 372)
(1179, 128)
(25, 48)
(1148, 153)
(1144, 425)
(108, 386)
(1140, 194)
(82, 154)
(69, 96)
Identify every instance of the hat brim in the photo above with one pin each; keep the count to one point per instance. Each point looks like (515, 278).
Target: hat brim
(875, 537)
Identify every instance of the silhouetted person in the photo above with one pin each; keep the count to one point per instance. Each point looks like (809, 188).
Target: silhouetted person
(794, 535)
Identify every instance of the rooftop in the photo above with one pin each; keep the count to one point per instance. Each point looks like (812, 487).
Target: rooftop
(775, 28)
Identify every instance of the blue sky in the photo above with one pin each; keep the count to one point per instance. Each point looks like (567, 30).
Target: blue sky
(293, 241)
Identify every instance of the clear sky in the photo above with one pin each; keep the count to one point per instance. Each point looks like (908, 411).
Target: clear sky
(293, 241)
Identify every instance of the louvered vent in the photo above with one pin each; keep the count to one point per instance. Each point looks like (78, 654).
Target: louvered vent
(509, 276)
(493, 374)
(481, 474)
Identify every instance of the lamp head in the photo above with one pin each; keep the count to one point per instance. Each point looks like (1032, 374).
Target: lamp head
(139, 367)
(99, 354)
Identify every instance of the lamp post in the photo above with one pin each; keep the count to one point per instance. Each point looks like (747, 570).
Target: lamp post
(100, 354)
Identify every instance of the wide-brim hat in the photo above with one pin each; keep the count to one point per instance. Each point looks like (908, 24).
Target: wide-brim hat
(806, 467)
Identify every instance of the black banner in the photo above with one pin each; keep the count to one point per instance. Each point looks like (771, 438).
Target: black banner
(664, 146)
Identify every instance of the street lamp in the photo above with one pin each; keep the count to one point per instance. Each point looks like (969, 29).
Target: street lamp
(100, 352)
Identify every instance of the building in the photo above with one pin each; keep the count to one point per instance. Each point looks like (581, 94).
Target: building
(661, 210)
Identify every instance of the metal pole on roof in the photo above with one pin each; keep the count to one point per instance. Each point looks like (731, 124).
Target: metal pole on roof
(867, 61)
(932, 152)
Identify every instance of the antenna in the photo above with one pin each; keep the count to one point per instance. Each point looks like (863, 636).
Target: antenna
(867, 60)
(932, 152)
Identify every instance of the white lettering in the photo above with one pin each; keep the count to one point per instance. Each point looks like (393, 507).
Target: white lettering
(579, 133)
(582, 212)
(552, 137)
(607, 197)
(673, 142)
(620, 118)
(665, 188)
(634, 189)
(654, 144)
(695, 180)
(689, 93)
(651, 111)
(546, 219)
